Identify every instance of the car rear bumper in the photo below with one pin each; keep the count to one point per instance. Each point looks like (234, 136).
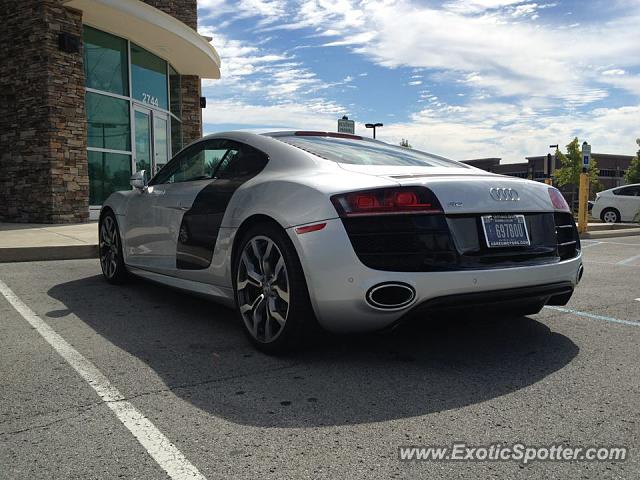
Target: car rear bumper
(338, 283)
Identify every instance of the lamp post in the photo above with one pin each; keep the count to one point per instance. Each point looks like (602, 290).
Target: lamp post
(550, 166)
(374, 126)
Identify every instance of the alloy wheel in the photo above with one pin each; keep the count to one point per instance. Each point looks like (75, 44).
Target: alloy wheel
(109, 243)
(262, 286)
(610, 216)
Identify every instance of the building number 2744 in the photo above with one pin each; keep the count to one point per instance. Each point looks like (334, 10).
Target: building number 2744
(146, 98)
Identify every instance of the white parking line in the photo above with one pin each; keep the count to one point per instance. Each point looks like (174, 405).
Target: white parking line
(593, 316)
(599, 242)
(629, 260)
(617, 264)
(170, 459)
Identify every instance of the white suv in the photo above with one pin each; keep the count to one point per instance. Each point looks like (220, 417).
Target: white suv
(620, 204)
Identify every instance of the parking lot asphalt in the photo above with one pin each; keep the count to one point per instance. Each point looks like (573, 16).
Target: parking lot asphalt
(338, 410)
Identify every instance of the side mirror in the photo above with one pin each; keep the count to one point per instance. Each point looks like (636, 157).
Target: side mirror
(139, 179)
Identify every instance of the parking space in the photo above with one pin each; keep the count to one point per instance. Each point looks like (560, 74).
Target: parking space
(340, 409)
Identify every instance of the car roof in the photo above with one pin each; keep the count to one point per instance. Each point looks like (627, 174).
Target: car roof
(316, 133)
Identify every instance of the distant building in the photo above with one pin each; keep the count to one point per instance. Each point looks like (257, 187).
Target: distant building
(611, 167)
(346, 126)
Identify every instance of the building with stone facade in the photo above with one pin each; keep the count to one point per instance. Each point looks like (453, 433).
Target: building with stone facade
(92, 91)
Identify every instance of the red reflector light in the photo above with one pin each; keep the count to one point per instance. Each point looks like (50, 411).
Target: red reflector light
(383, 201)
(365, 201)
(558, 201)
(310, 228)
(406, 198)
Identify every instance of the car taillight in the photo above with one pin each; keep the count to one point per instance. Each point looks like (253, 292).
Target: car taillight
(386, 201)
(558, 201)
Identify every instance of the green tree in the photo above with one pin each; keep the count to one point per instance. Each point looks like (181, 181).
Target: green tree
(405, 143)
(569, 173)
(632, 175)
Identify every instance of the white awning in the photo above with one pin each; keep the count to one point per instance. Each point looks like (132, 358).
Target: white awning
(189, 52)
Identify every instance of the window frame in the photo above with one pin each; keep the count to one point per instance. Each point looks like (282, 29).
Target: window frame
(125, 67)
(220, 167)
(133, 84)
(379, 150)
(170, 168)
(220, 173)
(90, 93)
(635, 188)
(173, 118)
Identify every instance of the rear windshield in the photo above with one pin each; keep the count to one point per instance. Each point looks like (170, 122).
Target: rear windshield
(363, 152)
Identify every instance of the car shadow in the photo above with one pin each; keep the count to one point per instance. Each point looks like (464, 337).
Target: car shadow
(200, 352)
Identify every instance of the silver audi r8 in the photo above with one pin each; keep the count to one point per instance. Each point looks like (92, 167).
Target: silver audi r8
(303, 229)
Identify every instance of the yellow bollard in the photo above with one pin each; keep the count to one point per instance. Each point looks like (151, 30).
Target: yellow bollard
(583, 197)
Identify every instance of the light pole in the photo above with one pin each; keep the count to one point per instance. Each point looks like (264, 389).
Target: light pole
(550, 166)
(374, 126)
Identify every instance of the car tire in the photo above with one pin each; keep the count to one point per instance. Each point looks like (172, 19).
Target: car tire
(610, 215)
(110, 250)
(270, 289)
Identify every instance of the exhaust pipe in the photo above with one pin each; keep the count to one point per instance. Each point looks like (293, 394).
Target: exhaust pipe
(390, 295)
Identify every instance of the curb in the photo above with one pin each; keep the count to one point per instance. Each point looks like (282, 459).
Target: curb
(606, 227)
(628, 232)
(35, 254)
(80, 252)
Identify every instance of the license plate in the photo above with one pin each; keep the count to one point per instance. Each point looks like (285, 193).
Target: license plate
(505, 231)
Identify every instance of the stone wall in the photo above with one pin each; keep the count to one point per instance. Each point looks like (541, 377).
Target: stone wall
(187, 12)
(184, 10)
(191, 111)
(43, 159)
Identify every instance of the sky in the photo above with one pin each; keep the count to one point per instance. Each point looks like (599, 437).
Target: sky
(460, 78)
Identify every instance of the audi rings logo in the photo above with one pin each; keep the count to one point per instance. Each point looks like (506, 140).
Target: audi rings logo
(504, 194)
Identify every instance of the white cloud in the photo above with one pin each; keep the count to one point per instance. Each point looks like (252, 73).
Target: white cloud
(237, 58)
(251, 70)
(614, 71)
(477, 6)
(316, 115)
(482, 130)
(527, 84)
(630, 83)
(269, 10)
(506, 131)
(511, 56)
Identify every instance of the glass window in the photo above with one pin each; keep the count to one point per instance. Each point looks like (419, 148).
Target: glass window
(148, 78)
(142, 128)
(176, 136)
(175, 99)
(628, 191)
(160, 127)
(365, 152)
(108, 173)
(198, 162)
(247, 162)
(105, 62)
(108, 122)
